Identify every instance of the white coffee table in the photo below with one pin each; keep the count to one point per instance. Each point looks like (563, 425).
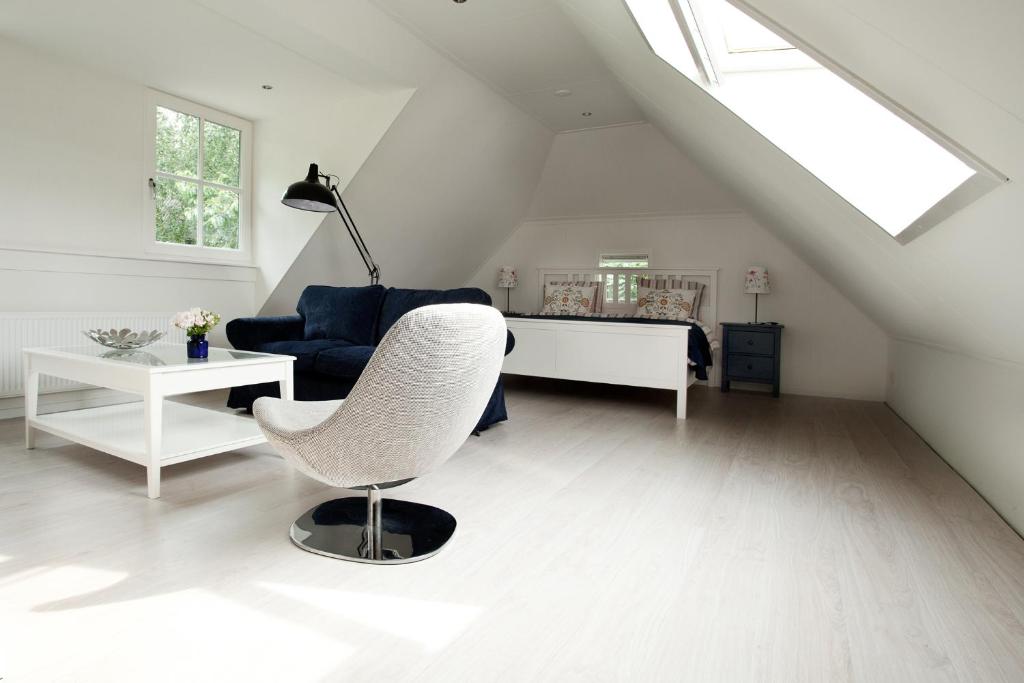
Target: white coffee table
(149, 432)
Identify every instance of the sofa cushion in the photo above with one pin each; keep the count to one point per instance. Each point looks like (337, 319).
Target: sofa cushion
(343, 361)
(305, 352)
(348, 313)
(398, 302)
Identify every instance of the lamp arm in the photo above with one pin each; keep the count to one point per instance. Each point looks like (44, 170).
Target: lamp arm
(372, 269)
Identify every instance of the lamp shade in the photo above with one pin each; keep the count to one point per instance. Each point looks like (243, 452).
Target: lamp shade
(507, 277)
(309, 194)
(757, 281)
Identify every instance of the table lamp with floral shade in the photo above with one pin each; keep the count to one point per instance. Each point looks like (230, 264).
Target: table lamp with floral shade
(756, 283)
(507, 280)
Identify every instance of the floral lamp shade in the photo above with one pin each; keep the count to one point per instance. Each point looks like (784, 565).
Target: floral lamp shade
(507, 277)
(757, 281)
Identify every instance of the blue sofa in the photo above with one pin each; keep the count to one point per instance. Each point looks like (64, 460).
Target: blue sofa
(334, 335)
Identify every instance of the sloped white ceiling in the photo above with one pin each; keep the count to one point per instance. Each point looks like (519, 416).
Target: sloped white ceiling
(623, 171)
(956, 285)
(526, 50)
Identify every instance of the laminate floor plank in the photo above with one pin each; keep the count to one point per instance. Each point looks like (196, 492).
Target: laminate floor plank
(599, 539)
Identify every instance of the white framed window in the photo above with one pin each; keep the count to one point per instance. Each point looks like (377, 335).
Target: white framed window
(892, 167)
(198, 181)
(631, 259)
(620, 287)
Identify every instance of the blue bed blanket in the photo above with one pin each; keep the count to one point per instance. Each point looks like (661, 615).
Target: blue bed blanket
(699, 352)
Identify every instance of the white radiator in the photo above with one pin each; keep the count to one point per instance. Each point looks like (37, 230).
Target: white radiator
(25, 330)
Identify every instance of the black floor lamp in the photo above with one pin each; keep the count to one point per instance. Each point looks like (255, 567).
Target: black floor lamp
(311, 195)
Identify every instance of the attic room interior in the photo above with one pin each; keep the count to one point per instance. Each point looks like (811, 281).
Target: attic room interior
(471, 340)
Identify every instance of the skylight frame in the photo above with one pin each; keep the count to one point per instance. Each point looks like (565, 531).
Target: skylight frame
(984, 179)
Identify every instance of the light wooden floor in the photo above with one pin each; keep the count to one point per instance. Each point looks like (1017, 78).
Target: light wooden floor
(599, 540)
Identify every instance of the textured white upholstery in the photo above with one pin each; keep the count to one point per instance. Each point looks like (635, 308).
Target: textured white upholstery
(416, 402)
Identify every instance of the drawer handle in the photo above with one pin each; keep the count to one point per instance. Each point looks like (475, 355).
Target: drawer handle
(750, 342)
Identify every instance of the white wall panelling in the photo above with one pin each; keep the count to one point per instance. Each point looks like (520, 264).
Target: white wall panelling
(20, 331)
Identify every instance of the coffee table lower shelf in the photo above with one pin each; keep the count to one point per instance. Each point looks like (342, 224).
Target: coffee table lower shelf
(189, 432)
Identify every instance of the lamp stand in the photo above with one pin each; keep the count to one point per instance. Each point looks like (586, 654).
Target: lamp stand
(508, 299)
(373, 270)
(755, 308)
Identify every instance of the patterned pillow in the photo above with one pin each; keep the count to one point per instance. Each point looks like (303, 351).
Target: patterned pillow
(597, 301)
(568, 299)
(665, 304)
(675, 282)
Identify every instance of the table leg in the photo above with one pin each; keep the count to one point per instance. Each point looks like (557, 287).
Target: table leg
(154, 404)
(31, 385)
(287, 385)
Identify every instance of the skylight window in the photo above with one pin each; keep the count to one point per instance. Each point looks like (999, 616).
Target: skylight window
(888, 166)
(743, 34)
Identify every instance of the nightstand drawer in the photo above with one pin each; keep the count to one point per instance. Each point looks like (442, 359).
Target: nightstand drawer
(742, 367)
(742, 341)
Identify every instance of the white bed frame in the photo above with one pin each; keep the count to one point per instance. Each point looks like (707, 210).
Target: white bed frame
(632, 354)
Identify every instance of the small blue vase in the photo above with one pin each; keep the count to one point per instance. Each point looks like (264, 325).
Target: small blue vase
(197, 346)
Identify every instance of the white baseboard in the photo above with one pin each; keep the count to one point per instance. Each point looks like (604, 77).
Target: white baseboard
(14, 406)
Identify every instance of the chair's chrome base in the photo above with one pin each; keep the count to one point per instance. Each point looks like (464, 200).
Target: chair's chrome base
(398, 531)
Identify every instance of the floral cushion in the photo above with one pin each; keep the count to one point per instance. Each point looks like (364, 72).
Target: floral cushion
(665, 304)
(568, 299)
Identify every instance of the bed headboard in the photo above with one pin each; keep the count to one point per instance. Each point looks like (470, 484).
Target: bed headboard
(620, 285)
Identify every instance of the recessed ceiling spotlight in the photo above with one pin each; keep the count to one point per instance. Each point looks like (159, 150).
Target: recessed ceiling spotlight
(587, 113)
(458, 2)
(563, 92)
(267, 87)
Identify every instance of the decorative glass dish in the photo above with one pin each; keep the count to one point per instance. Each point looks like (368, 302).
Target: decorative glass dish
(123, 339)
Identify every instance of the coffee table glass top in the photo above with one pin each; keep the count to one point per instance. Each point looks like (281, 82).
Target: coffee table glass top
(157, 355)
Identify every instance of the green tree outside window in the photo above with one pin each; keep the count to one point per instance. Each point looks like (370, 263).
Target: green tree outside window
(190, 203)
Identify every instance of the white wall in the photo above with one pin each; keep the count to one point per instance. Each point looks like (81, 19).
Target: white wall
(285, 146)
(71, 188)
(623, 170)
(830, 347)
(969, 409)
(451, 179)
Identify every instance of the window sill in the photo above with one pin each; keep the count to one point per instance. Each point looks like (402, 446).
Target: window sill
(186, 254)
(82, 261)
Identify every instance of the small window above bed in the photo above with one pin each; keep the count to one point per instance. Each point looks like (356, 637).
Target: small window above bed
(624, 260)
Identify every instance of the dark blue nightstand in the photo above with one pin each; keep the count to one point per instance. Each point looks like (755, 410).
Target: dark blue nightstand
(752, 352)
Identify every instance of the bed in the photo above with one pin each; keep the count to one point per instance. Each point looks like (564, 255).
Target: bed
(603, 347)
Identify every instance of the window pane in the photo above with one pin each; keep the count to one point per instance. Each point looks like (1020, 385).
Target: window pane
(878, 162)
(743, 34)
(624, 261)
(177, 143)
(222, 154)
(176, 211)
(220, 218)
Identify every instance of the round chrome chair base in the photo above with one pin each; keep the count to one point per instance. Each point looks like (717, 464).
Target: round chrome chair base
(407, 532)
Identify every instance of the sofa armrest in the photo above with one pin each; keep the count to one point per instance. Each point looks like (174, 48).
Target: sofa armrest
(245, 334)
(510, 342)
